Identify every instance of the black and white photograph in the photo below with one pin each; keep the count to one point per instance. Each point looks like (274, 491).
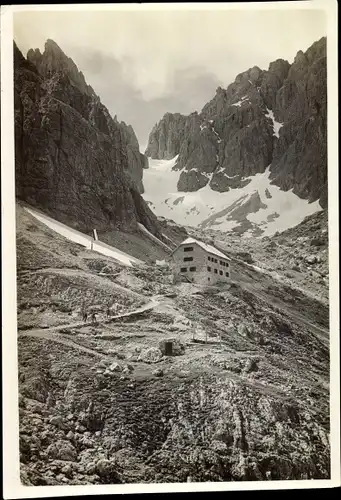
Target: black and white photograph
(174, 190)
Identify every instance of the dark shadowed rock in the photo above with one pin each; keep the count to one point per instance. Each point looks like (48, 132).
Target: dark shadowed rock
(300, 155)
(72, 159)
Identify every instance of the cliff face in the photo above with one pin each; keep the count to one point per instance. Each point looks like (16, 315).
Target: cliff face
(166, 137)
(72, 159)
(275, 117)
(300, 154)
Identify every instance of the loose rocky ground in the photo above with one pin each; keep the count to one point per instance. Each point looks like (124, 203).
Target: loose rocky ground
(245, 395)
(297, 256)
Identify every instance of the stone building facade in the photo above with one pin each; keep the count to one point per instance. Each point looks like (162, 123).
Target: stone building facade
(201, 263)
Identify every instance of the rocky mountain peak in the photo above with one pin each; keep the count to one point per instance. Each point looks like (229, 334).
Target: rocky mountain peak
(54, 60)
(317, 49)
(280, 68)
(300, 57)
(167, 135)
(72, 159)
(253, 74)
(273, 117)
(51, 45)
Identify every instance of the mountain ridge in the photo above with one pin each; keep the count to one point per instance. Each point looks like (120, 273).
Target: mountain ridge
(73, 160)
(273, 118)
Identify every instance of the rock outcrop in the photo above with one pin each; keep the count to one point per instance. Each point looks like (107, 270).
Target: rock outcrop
(166, 137)
(275, 117)
(73, 160)
(300, 154)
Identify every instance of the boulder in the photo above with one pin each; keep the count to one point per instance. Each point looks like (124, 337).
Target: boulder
(158, 372)
(57, 420)
(106, 469)
(67, 470)
(317, 242)
(251, 365)
(233, 365)
(311, 259)
(62, 450)
(115, 367)
(151, 355)
(243, 330)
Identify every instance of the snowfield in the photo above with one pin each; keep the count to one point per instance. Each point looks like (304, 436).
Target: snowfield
(83, 239)
(275, 210)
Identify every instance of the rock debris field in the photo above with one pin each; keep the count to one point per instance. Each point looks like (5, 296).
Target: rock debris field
(244, 395)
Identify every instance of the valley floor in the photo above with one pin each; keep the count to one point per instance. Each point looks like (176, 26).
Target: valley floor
(245, 395)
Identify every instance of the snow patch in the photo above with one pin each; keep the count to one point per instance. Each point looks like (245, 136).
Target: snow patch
(239, 103)
(218, 136)
(276, 125)
(83, 239)
(160, 183)
(152, 237)
(170, 240)
(231, 177)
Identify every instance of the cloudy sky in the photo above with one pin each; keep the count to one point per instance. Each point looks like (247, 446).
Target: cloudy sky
(146, 63)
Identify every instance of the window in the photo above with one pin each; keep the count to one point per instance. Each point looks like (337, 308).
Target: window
(188, 259)
(208, 268)
(227, 264)
(221, 262)
(183, 270)
(192, 269)
(188, 249)
(209, 258)
(216, 261)
(227, 275)
(221, 273)
(208, 279)
(215, 271)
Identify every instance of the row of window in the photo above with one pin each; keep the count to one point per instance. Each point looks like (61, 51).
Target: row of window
(216, 271)
(224, 264)
(221, 262)
(188, 249)
(211, 259)
(193, 269)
